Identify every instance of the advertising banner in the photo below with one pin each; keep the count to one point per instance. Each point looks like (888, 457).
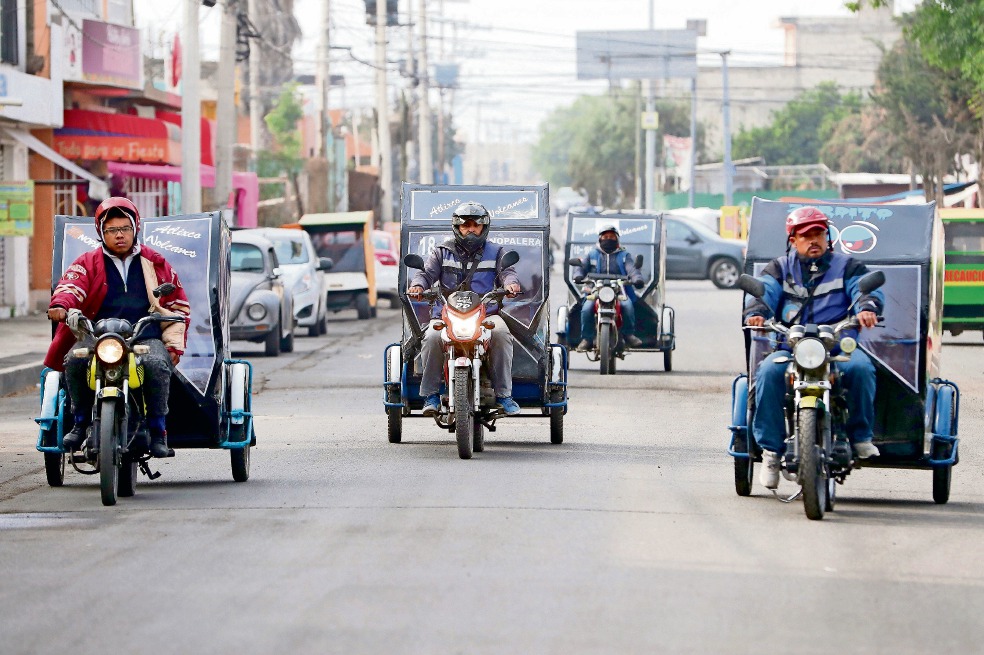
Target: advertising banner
(111, 54)
(17, 209)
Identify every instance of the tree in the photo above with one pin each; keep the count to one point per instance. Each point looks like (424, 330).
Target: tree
(921, 106)
(800, 129)
(591, 144)
(282, 123)
(858, 143)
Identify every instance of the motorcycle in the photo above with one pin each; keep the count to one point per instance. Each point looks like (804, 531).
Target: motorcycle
(818, 452)
(607, 292)
(118, 440)
(469, 406)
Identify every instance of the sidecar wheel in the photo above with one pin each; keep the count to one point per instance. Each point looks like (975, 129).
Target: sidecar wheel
(54, 469)
(240, 463)
(394, 418)
(667, 360)
(478, 440)
(556, 418)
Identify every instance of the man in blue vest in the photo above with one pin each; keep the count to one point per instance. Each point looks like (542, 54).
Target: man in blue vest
(812, 284)
(469, 261)
(609, 258)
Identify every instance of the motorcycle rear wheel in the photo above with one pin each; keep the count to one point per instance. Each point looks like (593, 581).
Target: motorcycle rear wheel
(811, 472)
(127, 477)
(464, 423)
(394, 418)
(109, 443)
(556, 417)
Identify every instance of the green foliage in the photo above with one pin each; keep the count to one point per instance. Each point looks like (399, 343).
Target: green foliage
(800, 129)
(282, 123)
(591, 144)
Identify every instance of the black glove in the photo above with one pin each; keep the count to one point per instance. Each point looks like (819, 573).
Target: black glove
(638, 284)
(578, 279)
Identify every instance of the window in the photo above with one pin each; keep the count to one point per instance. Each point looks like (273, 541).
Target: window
(8, 32)
(119, 12)
(677, 231)
(290, 251)
(964, 237)
(247, 258)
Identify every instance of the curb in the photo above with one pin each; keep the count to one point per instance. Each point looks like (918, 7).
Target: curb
(19, 378)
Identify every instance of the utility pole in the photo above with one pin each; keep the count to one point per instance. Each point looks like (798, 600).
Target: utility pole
(424, 116)
(323, 80)
(693, 141)
(382, 116)
(225, 109)
(638, 147)
(726, 116)
(255, 102)
(191, 115)
(650, 133)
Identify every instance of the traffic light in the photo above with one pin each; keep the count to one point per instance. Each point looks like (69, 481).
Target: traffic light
(392, 12)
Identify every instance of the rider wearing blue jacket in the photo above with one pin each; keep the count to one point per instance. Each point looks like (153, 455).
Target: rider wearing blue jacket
(609, 258)
(812, 284)
(469, 261)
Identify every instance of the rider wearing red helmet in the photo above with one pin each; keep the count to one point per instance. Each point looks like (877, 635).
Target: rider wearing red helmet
(811, 284)
(116, 281)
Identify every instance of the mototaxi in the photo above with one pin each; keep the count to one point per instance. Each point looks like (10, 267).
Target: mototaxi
(520, 222)
(644, 237)
(916, 411)
(210, 402)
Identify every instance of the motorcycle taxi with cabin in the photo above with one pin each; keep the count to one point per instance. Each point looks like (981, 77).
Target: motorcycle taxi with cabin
(476, 384)
(912, 412)
(210, 396)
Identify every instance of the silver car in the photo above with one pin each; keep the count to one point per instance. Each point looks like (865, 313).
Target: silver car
(304, 275)
(261, 309)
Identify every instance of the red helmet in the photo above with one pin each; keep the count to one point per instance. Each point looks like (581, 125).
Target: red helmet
(802, 219)
(122, 206)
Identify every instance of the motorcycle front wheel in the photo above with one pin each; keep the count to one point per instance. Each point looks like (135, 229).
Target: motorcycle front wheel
(811, 472)
(606, 349)
(109, 443)
(464, 424)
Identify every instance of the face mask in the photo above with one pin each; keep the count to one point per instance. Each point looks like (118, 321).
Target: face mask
(471, 242)
(608, 245)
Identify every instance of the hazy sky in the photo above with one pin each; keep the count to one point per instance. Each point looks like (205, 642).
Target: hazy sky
(516, 57)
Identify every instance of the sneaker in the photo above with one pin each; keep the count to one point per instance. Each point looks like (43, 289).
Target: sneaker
(632, 341)
(73, 440)
(769, 475)
(432, 405)
(508, 405)
(866, 449)
(585, 346)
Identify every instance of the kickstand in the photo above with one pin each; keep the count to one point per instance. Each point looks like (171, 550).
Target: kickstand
(145, 468)
(788, 499)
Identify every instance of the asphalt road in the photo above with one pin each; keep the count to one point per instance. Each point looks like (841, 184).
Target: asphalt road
(628, 538)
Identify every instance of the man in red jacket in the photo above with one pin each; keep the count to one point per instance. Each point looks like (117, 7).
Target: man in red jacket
(117, 281)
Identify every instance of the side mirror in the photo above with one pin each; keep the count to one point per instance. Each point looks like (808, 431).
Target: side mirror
(510, 258)
(277, 272)
(871, 281)
(167, 289)
(751, 286)
(575, 261)
(638, 261)
(414, 261)
(325, 263)
(692, 240)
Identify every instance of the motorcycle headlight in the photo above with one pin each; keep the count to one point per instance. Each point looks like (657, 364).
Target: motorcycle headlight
(810, 353)
(464, 327)
(110, 350)
(256, 311)
(606, 294)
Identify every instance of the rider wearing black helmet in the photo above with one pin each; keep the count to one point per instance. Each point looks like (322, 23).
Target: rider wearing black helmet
(468, 261)
(610, 258)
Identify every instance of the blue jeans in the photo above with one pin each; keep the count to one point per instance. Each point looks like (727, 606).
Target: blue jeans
(768, 422)
(588, 319)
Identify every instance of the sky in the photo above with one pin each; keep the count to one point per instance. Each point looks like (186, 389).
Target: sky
(516, 58)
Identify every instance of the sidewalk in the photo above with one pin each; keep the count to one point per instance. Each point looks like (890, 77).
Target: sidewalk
(23, 343)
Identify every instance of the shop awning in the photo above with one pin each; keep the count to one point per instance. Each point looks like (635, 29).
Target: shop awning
(98, 189)
(246, 185)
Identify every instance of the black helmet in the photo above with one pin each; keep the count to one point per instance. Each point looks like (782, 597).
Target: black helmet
(470, 211)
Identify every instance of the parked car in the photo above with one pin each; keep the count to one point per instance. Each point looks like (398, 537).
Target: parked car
(695, 252)
(387, 266)
(262, 309)
(304, 276)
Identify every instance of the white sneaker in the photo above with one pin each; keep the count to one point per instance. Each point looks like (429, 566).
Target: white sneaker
(769, 475)
(866, 449)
